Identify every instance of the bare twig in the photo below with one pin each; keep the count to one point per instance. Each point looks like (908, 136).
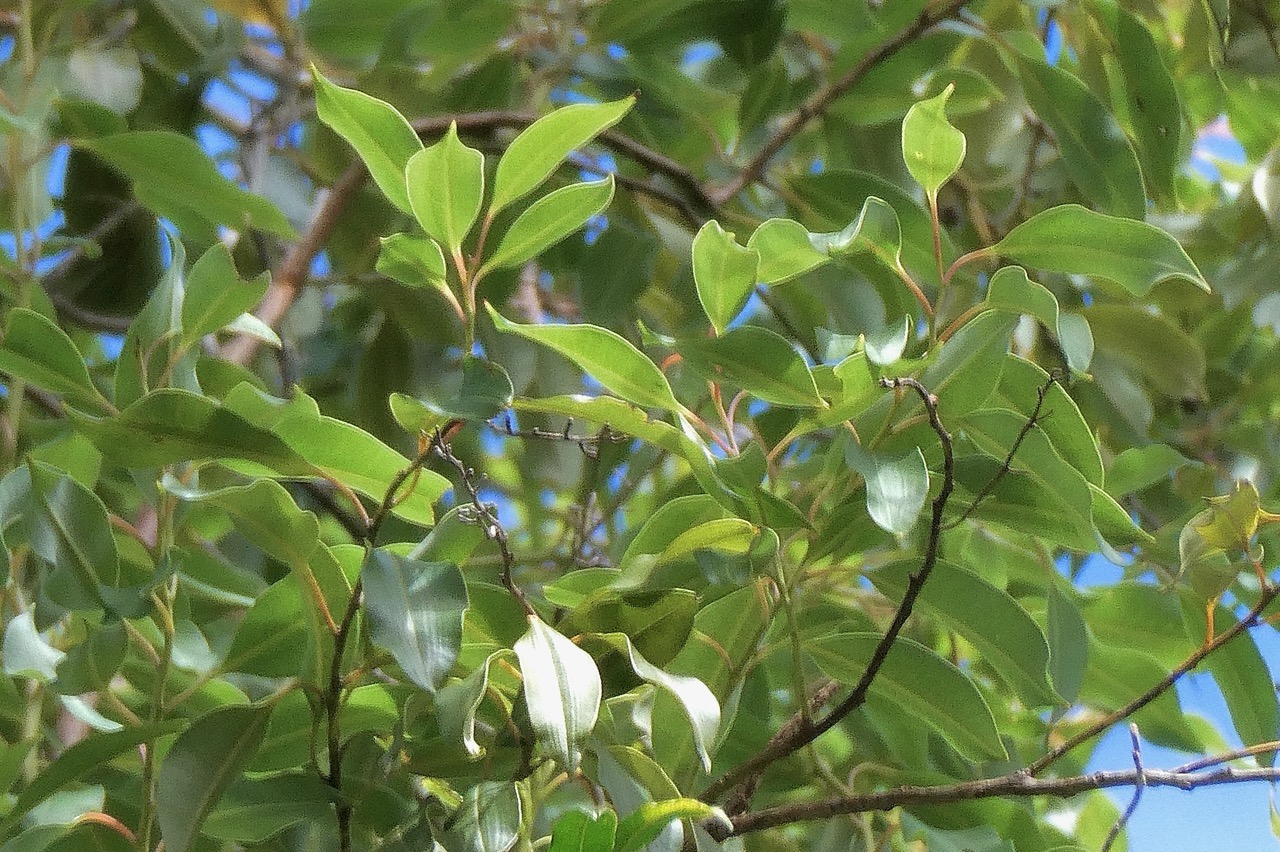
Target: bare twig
(1014, 784)
(1166, 683)
(798, 731)
(588, 443)
(1139, 784)
(820, 100)
(1007, 464)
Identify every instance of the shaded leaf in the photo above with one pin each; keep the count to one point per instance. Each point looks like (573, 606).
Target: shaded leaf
(36, 350)
(761, 362)
(488, 819)
(415, 611)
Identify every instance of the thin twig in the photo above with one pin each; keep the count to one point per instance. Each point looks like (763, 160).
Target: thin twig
(797, 733)
(1014, 784)
(1139, 784)
(820, 100)
(1237, 754)
(1166, 683)
(1007, 464)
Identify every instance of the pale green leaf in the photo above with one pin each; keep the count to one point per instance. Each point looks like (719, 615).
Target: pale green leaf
(446, 188)
(549, 220)
(724, 273)
(561, 690)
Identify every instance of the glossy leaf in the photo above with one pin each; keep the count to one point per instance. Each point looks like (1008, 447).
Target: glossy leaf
(561, 690)
(254, 810)
(446, 188)
(896, 486)
(26, 653)
(38, 351)
(921, 684)
(875, 231)
(488, 820)
(205, 759)
(724, 273)
(646, 822)
(549, 220)
(415, 611)
(458, 702)
(605, 355)
(575, 831)
(70, 529)
(215, 295)
(759, 361)
(381, 135)
(542, 146)
(932, 148)
(1078, 241)
(785, 251)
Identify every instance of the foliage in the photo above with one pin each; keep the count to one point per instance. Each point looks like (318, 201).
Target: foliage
(354, 498)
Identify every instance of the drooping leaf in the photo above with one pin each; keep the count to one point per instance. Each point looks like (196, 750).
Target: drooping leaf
(1075, 240)
(205, 759)
(549, 220)
(70, 529)
(896, 487)
(458, 702)
(1068, 644)
(446, 188)
(608, 357)
(561, 689)
(534, 154)
(488, 820)
(875, 231)
(724, 273)
(36, 350)
(932, 148)
(381, 135)
(415, 611)
(174, 178)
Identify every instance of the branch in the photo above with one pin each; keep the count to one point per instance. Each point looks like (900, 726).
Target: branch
(1138, 786)
(1015, 784)
(1264, 600)
(1007, 464)
(820, 100)
(799, 731)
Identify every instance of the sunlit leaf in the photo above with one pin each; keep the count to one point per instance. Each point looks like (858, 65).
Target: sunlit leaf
(561, 689)
(724, 272)
(446, 188)
(932, 148)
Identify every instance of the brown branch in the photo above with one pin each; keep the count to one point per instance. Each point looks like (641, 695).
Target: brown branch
(799, 731)
(820, 100)
(1015, 784)
(1264, 600)
(1007, 464)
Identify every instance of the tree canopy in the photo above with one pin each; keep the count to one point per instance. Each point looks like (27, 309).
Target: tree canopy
(604, 425)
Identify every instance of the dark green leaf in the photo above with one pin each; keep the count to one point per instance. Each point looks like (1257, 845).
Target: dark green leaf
(41, 353)
(759, 361)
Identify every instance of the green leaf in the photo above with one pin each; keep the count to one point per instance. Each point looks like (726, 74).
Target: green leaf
(575, 831)
(875, 231)
(924, 686)
(997, 626)
(549, 220)
(646, 822)
(415, 611)
(1077, 241)
(896, 486)
(761, 362)
(605, 355)
(1097, 156)
(204, 760)
(170, 425)
(149, 357)
(723, 535)
(1152, 347)
(1010, 289)
(1136, 468)
(724, 272)
(70, 529)
(1068, 644)
(412, 260)
(381, 135)
(173, 177)
(457, 703)
(215, 295)
(561, 691)
(694, 698)
(488, 820)
(36, 350)
(86, 756)
(446, 189)
(253, 810)
(26, 653)
(276, 638)
(785, 251)
(932, 148)
(542, 146)
(477, 392)
(884, 348)
(968, 367)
